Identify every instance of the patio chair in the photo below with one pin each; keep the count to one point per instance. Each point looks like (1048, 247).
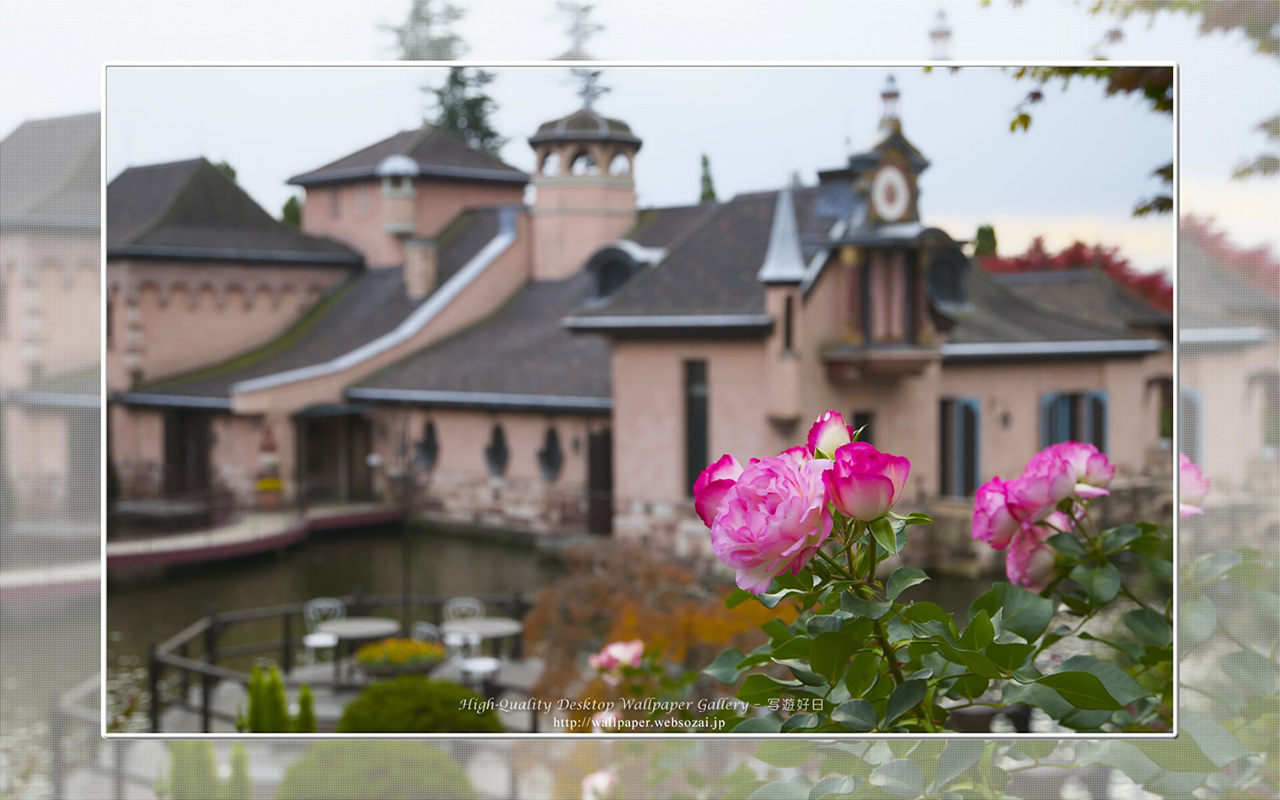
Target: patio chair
(315, 613)
(426, 632)
(463, 608)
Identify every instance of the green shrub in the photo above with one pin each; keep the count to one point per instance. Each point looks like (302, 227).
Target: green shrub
(193, 773)
(269, 708)
(374, 770)
(414, 704)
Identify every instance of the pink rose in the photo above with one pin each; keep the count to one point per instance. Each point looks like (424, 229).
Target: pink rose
(1193, 486)
(1030, 562)
(1088, 467)
(616, 655)
(599, 785)
(711, 486)
(993, 520)
(772, 519)
(827, 434)
(1047, 481)
(865, 483)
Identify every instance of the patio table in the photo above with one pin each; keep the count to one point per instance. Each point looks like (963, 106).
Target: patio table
(485, 627)
(356, 629)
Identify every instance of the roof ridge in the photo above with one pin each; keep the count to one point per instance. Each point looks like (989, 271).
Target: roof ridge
(433, 129)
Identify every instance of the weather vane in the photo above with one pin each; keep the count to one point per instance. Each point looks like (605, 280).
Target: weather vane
(580, 29)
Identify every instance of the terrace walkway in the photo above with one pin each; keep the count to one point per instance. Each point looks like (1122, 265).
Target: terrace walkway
(252, 532)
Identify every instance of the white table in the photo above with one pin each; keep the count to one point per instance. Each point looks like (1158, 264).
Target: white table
(484, 627)
(356, 629)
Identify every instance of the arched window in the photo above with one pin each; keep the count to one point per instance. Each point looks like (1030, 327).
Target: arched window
(620, 165)
(611, 277)
(551, 165)
(551, 457)
(584, 164)
(429, 447)
(495, 453)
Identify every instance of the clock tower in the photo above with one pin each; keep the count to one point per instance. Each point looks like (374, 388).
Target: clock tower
(892, 167)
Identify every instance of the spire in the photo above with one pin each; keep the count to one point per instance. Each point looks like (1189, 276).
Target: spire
(783, 261)
(889, 121)
(940, 36)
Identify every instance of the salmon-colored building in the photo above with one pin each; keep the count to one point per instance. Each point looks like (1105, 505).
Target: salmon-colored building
(576, 362)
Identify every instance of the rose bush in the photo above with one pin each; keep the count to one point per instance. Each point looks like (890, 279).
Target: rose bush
(812, 525)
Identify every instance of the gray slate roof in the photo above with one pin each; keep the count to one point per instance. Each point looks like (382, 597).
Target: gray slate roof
(436, 152)
(713, 269)
(584, 125)
(521, 350)
(49, 174)
(997, 314)
(190, 210)
(1212, 296)
(1088, 295)
(368, 305)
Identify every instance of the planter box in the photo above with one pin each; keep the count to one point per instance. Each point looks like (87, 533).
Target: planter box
(270, 499)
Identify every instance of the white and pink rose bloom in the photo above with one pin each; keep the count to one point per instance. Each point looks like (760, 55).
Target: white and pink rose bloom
(602, 785)
(772, 516)
(614, 656)
(1193, 487)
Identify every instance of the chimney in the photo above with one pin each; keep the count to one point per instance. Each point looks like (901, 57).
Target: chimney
(420, 270)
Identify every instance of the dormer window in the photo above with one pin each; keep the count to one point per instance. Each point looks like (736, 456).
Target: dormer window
(611, 276)
(946, 278)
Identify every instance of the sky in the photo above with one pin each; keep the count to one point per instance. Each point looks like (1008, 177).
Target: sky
(1075, 174)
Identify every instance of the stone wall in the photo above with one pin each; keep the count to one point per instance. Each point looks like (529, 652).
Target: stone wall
(509, 503)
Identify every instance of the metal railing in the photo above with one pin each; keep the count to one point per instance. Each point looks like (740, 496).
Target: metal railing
(197, 654)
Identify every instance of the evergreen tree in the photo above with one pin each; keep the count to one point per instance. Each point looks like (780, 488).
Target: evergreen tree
(305, 722)
(227, 170)
(985, 241)
(464, 109)
(708, 188)
(291, 213)
(238, 786)
(426, 34)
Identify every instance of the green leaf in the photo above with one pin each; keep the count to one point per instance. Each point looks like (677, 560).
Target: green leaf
(1008, 656)
(1119, 685)
(1101, 583)
(904, 698)
(980, 632)
(777, 630)
(1215, 741)
(863, 608)
(862, 673)
(959, 755)
(823, 623)
(802, 672)
(833, 785)
(1252, 671)
(1081, 689)
(737, 597)
(725, 667)
(882, 530)
(771, 600)
(1068, 545)
(1116, 539)
(798, 647)
(760, 689)
(800, 722)
(1025, 613)
(1197, 621)
(769, 724)
(923, 611)
(903, 578)
(858, 716)
(785, 752)
(830, 655)
(1210, 567)
(900, 778)
(1149, 625)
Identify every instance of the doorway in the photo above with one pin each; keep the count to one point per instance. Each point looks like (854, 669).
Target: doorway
(600, 482)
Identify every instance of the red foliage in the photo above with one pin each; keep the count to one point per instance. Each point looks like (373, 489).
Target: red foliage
(1154, 287)
(1256, 265)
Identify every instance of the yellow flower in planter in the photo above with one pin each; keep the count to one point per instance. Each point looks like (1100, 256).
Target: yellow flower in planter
(270, 484)
(401, 653)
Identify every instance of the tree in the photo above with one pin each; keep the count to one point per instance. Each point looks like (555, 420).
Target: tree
(464, 109)
(708, 188)
(227, 169)
(291, 213)
(985, 241)
(427, 34)
(1153, 287)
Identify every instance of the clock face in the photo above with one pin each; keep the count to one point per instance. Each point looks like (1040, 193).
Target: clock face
(890, 193)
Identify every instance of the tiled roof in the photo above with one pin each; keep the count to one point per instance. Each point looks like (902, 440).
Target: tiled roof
(1087, 295)
(522, 351)
(365, 307)
(995, 313)
(584, 125)
(190, 210)
(436, 153)
(713, 269)
(49, 173)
